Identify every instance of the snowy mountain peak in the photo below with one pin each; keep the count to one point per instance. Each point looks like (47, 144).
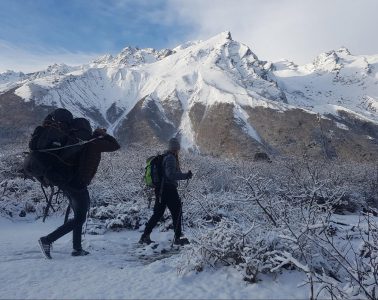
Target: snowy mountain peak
(58, 69)
(216, 42)
(226, 35)
(105, 59)
(186, 45)
(327, 62)
(130, 56)
(219, 40)
(332, 61)
(10, 74)
(217, 79)
(9, 79)
(343, 50)
(219, 49)
(53, 70)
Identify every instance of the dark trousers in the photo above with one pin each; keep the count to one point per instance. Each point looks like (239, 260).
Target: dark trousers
(170, 198)
(79, 201)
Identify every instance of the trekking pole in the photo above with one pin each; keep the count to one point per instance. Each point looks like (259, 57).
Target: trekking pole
(49, 200)
(181, 215)
(182, 203)
(177, 223)
(47, 204)
(186, 188)
(57, 197)
(67, 214)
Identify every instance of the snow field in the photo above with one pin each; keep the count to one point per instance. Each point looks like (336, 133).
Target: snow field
(113, 270)
(228, 209)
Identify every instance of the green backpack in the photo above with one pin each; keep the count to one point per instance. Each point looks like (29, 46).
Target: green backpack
(154, 173)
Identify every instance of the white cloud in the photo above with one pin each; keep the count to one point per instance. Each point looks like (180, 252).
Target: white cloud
(297, 30)
(29, 59)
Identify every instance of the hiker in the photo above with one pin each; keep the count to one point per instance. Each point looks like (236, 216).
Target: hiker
(167, 195)
(85, 162)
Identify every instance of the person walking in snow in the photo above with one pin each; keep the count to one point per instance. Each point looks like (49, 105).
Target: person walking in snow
(167, 195)
(76, 190)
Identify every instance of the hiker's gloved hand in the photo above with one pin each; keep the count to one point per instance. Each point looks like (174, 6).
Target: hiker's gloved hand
(99, 132)
(190, 174)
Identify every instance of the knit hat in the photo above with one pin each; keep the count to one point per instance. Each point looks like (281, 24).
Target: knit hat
(174, 145)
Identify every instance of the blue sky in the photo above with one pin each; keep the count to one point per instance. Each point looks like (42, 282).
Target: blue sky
(35, 33)
(86, 25)
(75, 31)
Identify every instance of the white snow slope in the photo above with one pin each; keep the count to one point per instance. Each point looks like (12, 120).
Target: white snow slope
(10, 79)
(218, 70)
(336, 80)
(114, 271)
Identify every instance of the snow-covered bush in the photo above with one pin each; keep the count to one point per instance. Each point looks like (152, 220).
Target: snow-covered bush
(282, 217)
(257, 217)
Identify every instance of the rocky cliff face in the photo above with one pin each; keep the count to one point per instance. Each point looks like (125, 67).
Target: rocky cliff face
(18, 118)
(216, 95)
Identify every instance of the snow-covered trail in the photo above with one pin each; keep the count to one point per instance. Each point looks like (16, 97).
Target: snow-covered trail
(113, 270)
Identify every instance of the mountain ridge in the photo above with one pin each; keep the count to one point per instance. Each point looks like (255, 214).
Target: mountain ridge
(173, 92)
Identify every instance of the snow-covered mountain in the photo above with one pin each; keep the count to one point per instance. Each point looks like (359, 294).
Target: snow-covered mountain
(335, 81)
(218, 96)
(9, 79)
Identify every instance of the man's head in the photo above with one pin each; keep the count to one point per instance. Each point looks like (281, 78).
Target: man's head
(174, 145)
(81, 128)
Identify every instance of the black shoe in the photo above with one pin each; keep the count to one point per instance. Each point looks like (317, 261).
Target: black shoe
(181, 241)
(45, 246)
(145, 239)
(79, 252)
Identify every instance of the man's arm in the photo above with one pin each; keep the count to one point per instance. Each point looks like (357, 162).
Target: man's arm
(170, 169)
(104, 142)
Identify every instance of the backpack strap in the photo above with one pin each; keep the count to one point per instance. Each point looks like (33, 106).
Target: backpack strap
(80, 143)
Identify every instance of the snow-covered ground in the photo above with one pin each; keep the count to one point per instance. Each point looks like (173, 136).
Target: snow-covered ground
(233, 238)
(116, 269)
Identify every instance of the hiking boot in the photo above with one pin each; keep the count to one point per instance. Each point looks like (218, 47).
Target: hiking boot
(145, 239)
(46, 247)
(79, 252)
(181, 241)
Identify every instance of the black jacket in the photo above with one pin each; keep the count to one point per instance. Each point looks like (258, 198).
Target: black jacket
(91, 156)
(171, 172)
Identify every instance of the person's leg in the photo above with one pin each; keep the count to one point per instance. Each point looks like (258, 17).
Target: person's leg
(80, 205)
(159, 209)
(79, 200)
(175, 207)
(62, 230)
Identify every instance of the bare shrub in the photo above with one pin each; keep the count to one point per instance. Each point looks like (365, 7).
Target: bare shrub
(256, 217)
